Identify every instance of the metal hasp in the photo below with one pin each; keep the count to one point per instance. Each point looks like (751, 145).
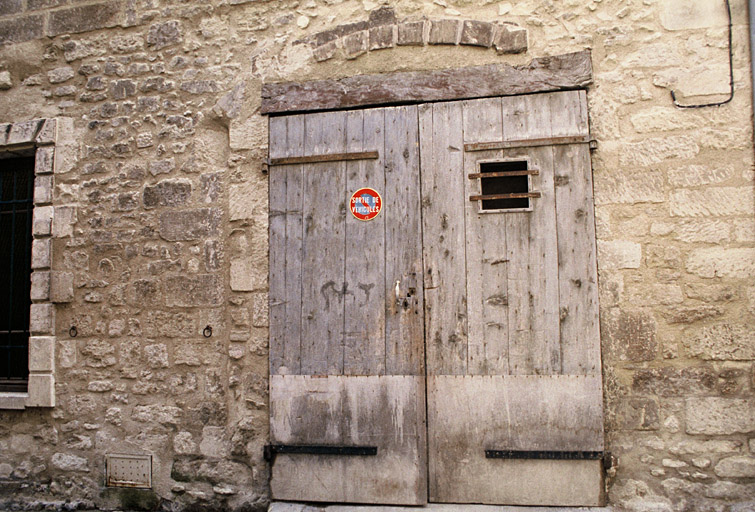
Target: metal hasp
(550, 455)
(271, 450)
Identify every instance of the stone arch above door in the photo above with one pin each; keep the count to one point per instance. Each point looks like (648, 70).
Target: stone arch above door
(383, 31)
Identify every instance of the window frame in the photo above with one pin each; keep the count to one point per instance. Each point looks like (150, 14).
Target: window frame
(37, 137)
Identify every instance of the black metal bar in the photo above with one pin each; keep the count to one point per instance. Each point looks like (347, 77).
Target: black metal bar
(503, 174)
(271, 450)
(491, 197)
(542, 455)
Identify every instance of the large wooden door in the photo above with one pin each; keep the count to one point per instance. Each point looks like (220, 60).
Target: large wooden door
(480, 267)
(347, 385)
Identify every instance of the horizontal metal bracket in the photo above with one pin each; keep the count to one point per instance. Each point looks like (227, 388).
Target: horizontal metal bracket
(551, 455)
(332, 157)
(271, 450)
(492, 197)
(527, 143)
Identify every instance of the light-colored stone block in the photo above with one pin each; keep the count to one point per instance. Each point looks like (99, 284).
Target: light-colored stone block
(41, 253)
(720, 416)
(63, 221)
(42, 354)
(42, 190)
(42, 319)
(740, 466)
(722, 342)
(241, 201)
(23, 132)
(243, 276)
(40, 286)
(712, 202)
(61, 287)
(692, 14)
(48, 132)
(44, 160)
(42, 220)
(618, 254)
(41, 391)
(656, 150)
(722, 262)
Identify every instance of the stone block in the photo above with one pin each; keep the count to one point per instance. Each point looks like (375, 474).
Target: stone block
(83, 18)
(244, 278)
(720, 416)
(167, 193)
(44, 4)
(260, 310)
(122, 89)
(42, 190)
(11, 7)
(656, 150)
(63, 220)
(669, 382)
(42, 319)
(325, 51)
(355, 44)
(157, 355)
(48, 132)
(723, 342)
(213, 443)
(18, 30)
(165, 34)
(722, 262)
(60, 75)
(40, 286)
(193, 290)
(646, 186)
(444, 32)
(183, 443)
(712, 202)
(693, 447)
(229, 105)
(61, 287)
(382, 37)
(200, 86)
(629, 335)
(382, 16)
(688, 315)
(241, 201)
(477, 33)
(187, 225)
(163, 414)
(510, 39)
(41, 390)
(691, 14)
(697, 175)
(41, 253)
(618, 254)
(162, 166)
(6, 81)
(42, 221)
(411, 33)
(24, 132)
(42, 354)
(638, 414)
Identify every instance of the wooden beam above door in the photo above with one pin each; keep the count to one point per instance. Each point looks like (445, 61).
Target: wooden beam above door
(554, 73)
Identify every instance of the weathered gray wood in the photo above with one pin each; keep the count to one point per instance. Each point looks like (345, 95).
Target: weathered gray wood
(487, 296)
(569, 71)
(383, 411)
(286, 139)
(443, 237)
(277, 234)
(469, 414)
(364, 316)
(527, 143)
(404, 329)
(578, 287)
(324, 215)
(534, 346)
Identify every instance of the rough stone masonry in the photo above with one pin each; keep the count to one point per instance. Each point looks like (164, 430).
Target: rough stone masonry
(152, 226)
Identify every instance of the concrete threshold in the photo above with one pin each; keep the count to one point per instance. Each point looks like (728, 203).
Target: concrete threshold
(280, 506)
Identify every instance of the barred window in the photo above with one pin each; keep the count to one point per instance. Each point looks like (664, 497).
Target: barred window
(16, 208)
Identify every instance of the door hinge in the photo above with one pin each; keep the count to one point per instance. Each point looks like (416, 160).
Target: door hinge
(271, 450)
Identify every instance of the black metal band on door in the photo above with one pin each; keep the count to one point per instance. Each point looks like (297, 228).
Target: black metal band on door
(271, 450)
(550, 455)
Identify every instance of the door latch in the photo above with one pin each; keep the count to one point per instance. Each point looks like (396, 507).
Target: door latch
(407, 300)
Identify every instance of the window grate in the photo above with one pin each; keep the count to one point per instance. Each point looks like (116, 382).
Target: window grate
(16, 209)
(505, 186)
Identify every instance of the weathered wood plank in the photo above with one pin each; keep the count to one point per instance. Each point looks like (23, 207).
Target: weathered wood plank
(324, 214)
(469, 414)
(569, 71)
(527, 143)
(364, 316)
(531, 239)
(578, 287)
(443, 237)
(277, 234)
(487, 296)
(383, 411)
(404, 329)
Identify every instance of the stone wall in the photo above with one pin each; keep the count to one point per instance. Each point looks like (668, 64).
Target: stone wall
(165, 185)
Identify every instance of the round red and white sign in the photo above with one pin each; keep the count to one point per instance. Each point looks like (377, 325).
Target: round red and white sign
(365, 204)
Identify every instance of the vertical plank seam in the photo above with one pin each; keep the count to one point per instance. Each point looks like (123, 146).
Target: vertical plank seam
(301, 253)
(386, 278)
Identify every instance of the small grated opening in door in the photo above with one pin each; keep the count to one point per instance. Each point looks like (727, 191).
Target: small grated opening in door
(513, 183)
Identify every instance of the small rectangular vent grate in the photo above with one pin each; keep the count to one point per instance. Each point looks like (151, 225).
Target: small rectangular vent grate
(128, 471)
(504, 185)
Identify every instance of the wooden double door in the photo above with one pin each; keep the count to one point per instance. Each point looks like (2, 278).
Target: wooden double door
(447, 350)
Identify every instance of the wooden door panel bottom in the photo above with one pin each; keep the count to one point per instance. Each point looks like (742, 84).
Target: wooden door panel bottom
(387, 412)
